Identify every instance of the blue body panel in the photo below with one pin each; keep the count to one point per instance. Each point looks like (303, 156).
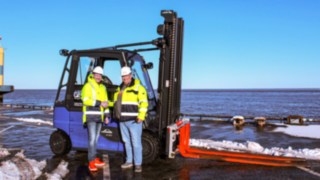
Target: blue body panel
(71, 124)
(61, 119)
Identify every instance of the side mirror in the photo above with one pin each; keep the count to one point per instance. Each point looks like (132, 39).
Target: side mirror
(148, 65)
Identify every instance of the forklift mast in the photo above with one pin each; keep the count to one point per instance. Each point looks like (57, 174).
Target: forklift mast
(170, 68)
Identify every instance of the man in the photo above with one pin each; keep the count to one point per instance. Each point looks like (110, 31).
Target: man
(130, 108)
(95, 110)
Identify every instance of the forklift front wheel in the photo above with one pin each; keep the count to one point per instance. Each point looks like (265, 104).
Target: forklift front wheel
(151, 146)
(60, 143)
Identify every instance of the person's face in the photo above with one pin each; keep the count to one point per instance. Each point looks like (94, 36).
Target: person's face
(126, 79)
(97, 77)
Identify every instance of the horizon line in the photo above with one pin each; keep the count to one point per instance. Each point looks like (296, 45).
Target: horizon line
(209, 89)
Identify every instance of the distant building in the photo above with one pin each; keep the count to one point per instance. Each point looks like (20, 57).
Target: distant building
(3, 88)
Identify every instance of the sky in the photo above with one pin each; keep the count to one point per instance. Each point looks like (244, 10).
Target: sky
(227, 44)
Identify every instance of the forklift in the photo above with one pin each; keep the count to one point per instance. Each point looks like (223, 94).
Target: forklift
(166, 131)
(164, 107)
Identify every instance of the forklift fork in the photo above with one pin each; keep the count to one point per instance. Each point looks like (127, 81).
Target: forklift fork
(182, 129)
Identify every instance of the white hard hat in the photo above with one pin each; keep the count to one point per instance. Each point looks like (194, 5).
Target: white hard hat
(98, 70)
(125, 71)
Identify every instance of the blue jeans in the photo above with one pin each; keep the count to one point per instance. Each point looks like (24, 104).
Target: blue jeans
(93, 135)
(131, 133)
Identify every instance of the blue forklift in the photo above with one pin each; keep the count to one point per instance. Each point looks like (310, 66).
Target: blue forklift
(164, 106)
(166, 131)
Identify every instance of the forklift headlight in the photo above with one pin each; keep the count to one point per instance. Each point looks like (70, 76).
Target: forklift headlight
(160, 29)
(148, 65)
(77, 95)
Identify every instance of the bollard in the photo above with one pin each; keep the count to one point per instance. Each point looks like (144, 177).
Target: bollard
(295, 119)
(260, 121)
(238, 121)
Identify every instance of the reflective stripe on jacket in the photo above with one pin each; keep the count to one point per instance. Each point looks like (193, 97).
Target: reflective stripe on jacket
(92, 95)
(134, 102)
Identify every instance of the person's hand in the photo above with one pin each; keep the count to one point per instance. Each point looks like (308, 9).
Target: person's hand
(104, 104)
(106, 120)
(138, 120)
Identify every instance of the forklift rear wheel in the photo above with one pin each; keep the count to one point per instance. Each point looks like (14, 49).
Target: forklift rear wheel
(151, 145)
(60, 143)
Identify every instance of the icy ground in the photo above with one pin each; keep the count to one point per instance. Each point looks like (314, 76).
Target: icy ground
(20, 167)
(310, 131)
(17, 165)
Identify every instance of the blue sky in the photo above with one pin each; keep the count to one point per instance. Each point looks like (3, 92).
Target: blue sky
(227, 43)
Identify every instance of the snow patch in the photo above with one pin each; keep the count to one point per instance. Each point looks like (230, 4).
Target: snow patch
(60, 172)
(33, 120)
(4, 152)
(309, 131)
(254, 147)
(20, 167)
(9, 170)
(36, 166)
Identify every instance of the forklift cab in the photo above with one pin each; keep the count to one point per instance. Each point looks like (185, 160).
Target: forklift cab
(68, 105)
(83, 62)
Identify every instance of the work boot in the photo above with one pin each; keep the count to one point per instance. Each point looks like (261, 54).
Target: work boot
(99, 163)
(92, 166)
(126, 165)
(138, 168)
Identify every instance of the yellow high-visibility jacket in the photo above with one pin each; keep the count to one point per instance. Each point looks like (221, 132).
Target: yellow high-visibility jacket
(92, 95)
(134, 101)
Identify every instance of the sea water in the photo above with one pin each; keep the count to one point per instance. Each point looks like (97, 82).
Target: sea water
(231, 102)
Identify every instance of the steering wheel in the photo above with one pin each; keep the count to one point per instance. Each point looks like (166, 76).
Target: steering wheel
(106, 80)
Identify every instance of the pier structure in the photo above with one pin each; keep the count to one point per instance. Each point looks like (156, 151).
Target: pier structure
(3, 88)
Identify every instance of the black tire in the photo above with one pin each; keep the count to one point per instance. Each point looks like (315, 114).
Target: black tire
(151, 147)
(60, 143)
